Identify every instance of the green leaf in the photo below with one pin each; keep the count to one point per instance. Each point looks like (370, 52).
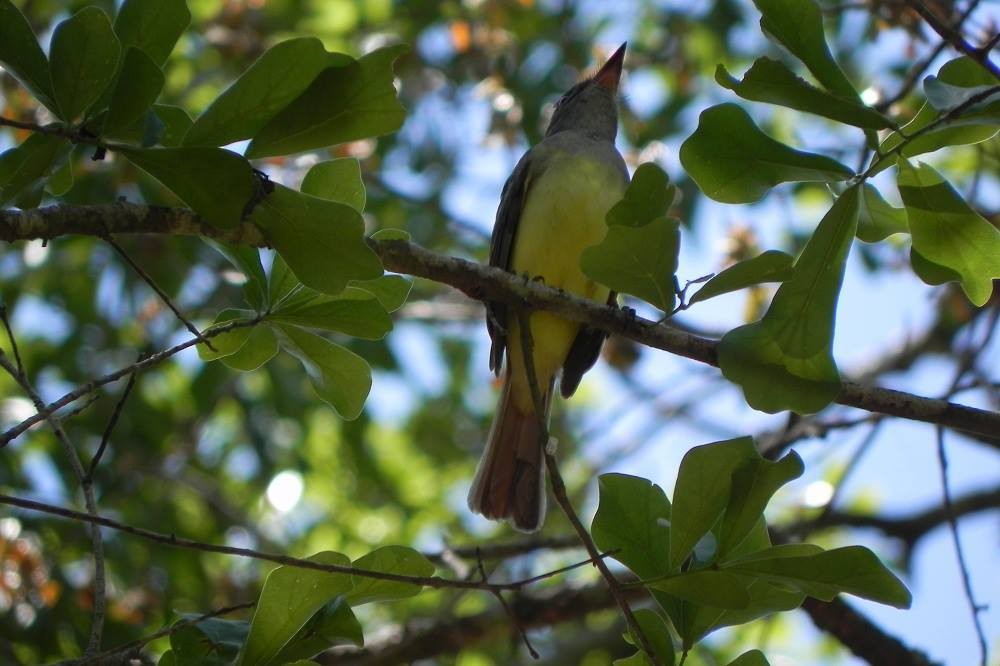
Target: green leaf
(84, 55)
(322, 241)
(707, 587)
(702, 491)
(176, 124)
(290, 597)
(657, 635)
(632, 519)
(770, 266)
(854, 570)
(877, 220)
(390, 290)
(341, 378)
(640, 261)
(337, 180)
(152, 26)
(21, 55)
(30, 163)
(930, 272)
(751, 658)
(280, 75)
(247, 260)
(229, 342)
(647, 197)
(753, 485)
(260, 347)
(949, 232)
(354, 312)
(388, 559)
(342, 104)
(732, 161)
(333, 624)
(798, 26)
(962, 73)
(61, 179)
(216, 183)
(210, 642)
(784, 361)
(282, 285)
(391, 234)
(138, 86)
(772, 82)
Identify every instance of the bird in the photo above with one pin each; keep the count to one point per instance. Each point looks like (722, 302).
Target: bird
(552, 207)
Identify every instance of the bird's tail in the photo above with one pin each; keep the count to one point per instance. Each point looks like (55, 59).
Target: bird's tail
(510, 479)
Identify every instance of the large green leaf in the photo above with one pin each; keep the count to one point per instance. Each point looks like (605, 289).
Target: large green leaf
(355, 312)
(341, 378)
(390, 290)
(333, 624)
(26, 166)
(640, 261)
(753, 485)
(343, 103)
(770, 266)
(337, 180)
(388, 559)
(633, 521)
(702, 491)
(84, 59)
(751, 658)
(280, 75)
(854, 570)
(21, 55)
(322, 241)
(732, 161)
(290, 597)
(209, 642)
(948, 232)
(707, 587)
(139, 84)
(784, 361)
(647, 197)
(216, 183)
(176, 124)
(152, 26)
(771, 81)
(798, 26)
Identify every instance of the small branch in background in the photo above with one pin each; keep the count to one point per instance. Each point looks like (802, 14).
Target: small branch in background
(435, 582)
(17, 372)
(562, 498)
(954, 37)
(127, 650)
(509, 612)
(112, 422)
(159, 292)
(860, 636)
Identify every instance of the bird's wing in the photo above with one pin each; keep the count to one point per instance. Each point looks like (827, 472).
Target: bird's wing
(502, 249)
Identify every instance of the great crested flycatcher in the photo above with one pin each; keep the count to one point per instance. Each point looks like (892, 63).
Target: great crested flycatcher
(552, 207)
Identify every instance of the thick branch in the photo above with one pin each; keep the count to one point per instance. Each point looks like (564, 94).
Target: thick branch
(482, 283)
(860, 636)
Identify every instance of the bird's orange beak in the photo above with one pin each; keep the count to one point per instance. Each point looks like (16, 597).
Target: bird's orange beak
(609, 75)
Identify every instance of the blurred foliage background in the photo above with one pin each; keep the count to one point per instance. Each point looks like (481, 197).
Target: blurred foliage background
(256, 460)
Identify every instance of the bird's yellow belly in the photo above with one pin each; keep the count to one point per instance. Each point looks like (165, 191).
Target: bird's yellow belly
(564, 214)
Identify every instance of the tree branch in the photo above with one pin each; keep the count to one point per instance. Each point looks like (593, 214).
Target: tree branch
(481, 283)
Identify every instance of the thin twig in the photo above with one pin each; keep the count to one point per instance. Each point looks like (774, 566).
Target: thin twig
(97, 545)
(559, 490)
(46, 411)
(159, 292)
(436, 582)
(955, 38)
(112, 422)
(513, 618)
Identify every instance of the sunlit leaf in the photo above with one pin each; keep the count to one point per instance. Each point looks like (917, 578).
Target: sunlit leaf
(343, 103)
(771, 81)
(784, 361)
(341, 378)
(751, 658)
(948, 232)
(353, 312)
(770, 266)
(337, 180)
(707, 587)
(647, 197)
(633, 520)
(732, 161)
(877, 219)
(390, 290)
(753, 485)
(640, 261)
(389, 559)
(657, 636)
(333, 624)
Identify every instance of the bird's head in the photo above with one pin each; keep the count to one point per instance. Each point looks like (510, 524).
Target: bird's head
(591, 105)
